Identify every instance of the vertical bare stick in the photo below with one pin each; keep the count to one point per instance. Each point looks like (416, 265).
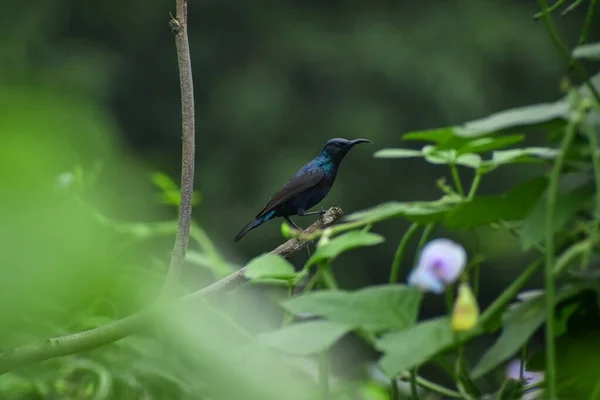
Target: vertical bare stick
(179, 27)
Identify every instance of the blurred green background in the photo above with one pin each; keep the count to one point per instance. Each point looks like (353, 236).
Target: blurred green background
(95, 85)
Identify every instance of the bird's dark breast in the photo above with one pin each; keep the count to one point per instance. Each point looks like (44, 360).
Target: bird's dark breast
(307, 199)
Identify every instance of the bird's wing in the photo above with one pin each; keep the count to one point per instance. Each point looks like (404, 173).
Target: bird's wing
(298, 183)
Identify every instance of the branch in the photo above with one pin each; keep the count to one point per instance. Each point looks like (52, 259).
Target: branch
(285, 250)
(179, 27)
(83, 341)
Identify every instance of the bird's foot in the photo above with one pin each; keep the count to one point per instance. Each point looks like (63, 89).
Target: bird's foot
(288, 219)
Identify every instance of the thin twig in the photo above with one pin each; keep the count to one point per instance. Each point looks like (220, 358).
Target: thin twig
(84, 341)
(179, 27)
(548, 10)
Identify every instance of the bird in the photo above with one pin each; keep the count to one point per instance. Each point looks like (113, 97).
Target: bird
(306, 188)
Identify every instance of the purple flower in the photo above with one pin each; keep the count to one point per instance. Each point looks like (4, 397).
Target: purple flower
(440, 263)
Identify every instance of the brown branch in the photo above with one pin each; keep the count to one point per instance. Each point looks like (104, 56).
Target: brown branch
(285, 250)
(88, 340)
(179, 27)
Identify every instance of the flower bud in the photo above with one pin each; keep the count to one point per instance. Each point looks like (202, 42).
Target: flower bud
(466, 310)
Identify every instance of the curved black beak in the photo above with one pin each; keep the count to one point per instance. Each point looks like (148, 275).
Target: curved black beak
(357, 141)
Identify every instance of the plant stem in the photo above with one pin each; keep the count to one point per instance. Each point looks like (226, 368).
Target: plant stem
(456, 178)
(570, 254)
(474, 185)
(424, 238)
(476, 276)
(394, 394)
(585, 32)
(288, 317)
(460, 372)
(434, 387)
(312, 282)
(523, 359)
(552, 31)
(414, 393)
(509, 293)
(593, 140)
(449, 298)
(327, 275)
(550, 375)
(400, 252)
(534, 386)
(548, 10)
(563, 49)
(324, 375)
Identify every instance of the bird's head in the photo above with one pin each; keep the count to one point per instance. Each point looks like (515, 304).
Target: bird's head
(337, 148)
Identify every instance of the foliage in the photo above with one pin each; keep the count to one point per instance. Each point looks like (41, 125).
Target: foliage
(72, 262)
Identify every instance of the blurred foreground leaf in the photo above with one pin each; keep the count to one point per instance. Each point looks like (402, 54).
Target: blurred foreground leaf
(270, 266)
(410, 347)
(305, 338)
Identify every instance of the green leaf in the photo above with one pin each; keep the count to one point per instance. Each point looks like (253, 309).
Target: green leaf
(562, 319)
(578, 357)
(210, 262)
(345, 242)
(164, 182)
(374, 308)
(514, 156)
(468, 160)
(519, 324)
(444, 138)
(413, 346)
(527, 154)
(436, 156)
(589, 51)
(398, 153)
(533, 229)
(305, 338)
(514, 118)
(484, 210)
(421, 212)
(490, 143)
(170, 193)
(270, 266)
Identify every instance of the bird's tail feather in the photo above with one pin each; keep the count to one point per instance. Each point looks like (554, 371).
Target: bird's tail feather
(253, 224)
